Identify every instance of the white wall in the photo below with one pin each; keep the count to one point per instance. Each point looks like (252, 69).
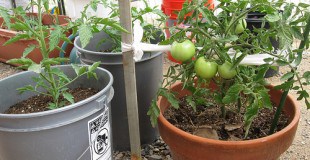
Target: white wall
(8, 3)
(74, 7)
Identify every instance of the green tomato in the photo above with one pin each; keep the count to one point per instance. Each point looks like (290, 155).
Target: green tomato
(225, 70)
(240, 27)
(183, 51)
(205, 69)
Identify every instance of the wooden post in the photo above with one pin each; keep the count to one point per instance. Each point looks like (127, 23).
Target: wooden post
(130, 81)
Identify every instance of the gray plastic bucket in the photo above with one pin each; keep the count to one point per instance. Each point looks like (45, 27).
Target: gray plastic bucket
(60, 134)
(148, 78)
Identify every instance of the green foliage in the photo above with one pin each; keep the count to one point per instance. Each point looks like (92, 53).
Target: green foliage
(29, 49)
(85, 34)
(170, 97)
(213, 32)
(50, 81)
(17, 38)
(153, 113)
(232, 93)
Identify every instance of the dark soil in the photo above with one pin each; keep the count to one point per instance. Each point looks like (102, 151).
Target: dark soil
(40, 103)
(207, 122)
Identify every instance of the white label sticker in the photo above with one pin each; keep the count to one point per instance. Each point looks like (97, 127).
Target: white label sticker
(99, 137)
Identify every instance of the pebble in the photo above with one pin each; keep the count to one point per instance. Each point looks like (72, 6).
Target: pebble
(168, 157)
(119, 156)
(166, 153)
(155, 157)
(155, 151)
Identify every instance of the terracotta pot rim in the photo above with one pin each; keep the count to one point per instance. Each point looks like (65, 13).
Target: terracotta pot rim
(163, 120)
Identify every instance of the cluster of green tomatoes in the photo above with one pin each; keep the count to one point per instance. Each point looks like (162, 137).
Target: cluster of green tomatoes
(204, 68)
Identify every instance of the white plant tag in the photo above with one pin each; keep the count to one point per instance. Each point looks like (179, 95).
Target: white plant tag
(100, 137)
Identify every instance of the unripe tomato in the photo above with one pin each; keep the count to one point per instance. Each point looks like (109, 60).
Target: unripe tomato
(240, 27)
(205, 69)
(225, 70)
(169, 56)
(183, 51)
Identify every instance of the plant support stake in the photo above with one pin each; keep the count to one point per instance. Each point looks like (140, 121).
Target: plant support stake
(285, 93)
(130, 81)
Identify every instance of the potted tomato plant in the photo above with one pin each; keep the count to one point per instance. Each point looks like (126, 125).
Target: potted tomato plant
(216, 104)
(9, 50)
(105, 46)
(63, 111)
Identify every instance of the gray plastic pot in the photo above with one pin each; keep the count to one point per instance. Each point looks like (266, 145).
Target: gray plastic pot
(148, 78)
(60, 134)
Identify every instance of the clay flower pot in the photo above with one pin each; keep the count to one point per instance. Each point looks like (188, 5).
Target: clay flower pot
(15, 50)
(184, 145)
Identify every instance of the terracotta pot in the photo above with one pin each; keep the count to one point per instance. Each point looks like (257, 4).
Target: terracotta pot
(15, 50)
(185, 146)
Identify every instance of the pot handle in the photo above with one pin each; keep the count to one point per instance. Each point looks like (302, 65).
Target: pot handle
(104, 100)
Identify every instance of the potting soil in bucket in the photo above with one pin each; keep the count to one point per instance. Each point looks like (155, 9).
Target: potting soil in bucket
(68, 133)
(148, 78)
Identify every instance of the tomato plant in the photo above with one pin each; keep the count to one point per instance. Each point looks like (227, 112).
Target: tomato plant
(183, 51)
(205, 69)
(51, 82)
(220, 38)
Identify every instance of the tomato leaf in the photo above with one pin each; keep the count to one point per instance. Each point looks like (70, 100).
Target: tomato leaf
(4, 13)
(28, 50)
(306, 75)
(35, 68)
(19, 26)
(93, 67)
(52, 106)
(16, 38)
(297, 33)
(153, 112)
(287, 76)
(265, 98)
(261, 72)
(191, 102)
(55, 37)
(233, 93)
(170, 97)
(68, 97)
(251, 112)
(272, 17)
(85, 34)
(285, 86)
(25, 88)
(302, 94)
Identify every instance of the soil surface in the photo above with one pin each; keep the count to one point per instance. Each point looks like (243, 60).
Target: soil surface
(299, 150)
(40, 103)
(208, 122)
